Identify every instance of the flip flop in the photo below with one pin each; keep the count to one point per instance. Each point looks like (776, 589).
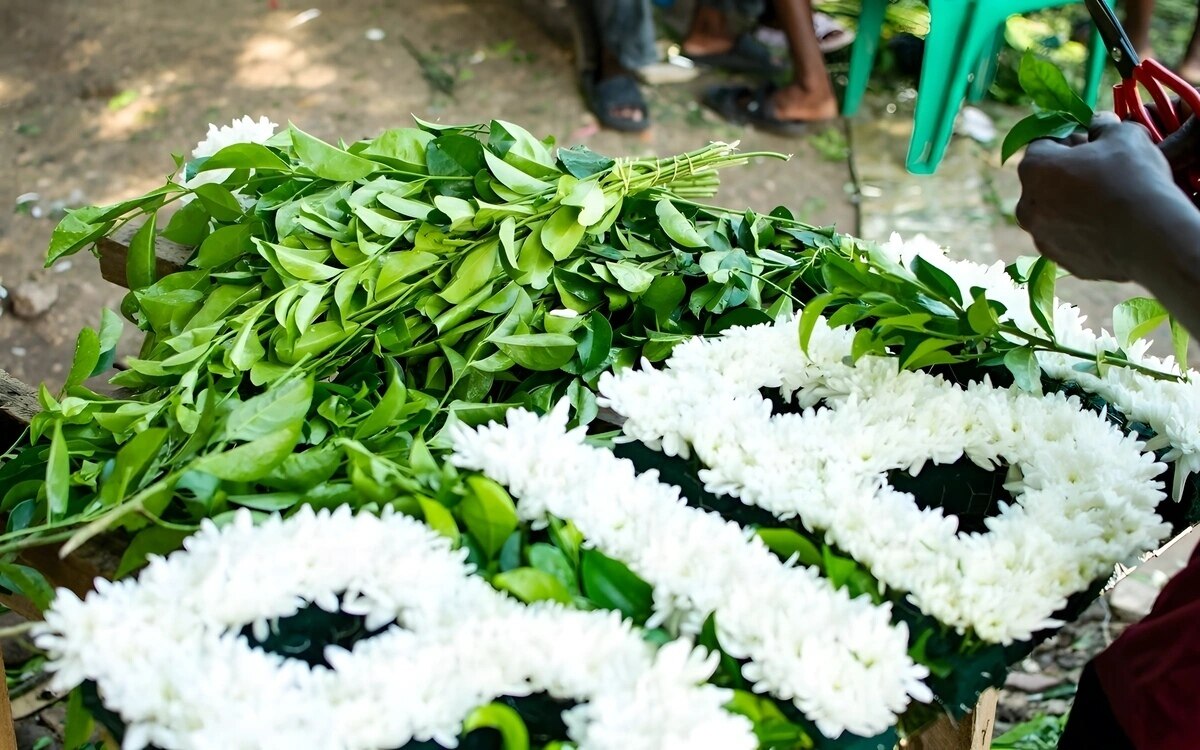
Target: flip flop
(743, 105)
(831, 34)
(748, 55)
(617, 92)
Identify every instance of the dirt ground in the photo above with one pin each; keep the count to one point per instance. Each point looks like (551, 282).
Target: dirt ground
(94, 98)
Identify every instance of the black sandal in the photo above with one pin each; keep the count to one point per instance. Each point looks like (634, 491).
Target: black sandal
(743, 105)
(617, 92)
(748, 55)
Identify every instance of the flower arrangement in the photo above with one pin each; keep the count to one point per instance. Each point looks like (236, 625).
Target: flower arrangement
(354, 317)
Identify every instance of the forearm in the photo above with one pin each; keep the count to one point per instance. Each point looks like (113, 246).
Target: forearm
(1169, 262)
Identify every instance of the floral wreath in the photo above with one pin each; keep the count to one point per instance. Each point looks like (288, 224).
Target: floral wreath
(841, 661)
(179, 673)
(1084, 494)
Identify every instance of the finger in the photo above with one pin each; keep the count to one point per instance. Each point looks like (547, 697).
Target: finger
(1103, 123)
(1181, 147)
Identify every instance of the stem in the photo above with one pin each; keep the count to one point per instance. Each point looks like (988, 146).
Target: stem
(1047, 345)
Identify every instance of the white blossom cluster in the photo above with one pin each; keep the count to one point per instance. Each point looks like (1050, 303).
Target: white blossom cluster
(1170, 408)
(840, 660)
(166, 653)
(1084, 493)
(244, 130)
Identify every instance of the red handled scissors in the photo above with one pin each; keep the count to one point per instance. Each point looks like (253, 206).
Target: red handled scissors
(1168, 114)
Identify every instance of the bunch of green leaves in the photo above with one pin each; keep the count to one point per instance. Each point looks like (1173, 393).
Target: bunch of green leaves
(1039, 733)
(1060, 111)
(370, 293)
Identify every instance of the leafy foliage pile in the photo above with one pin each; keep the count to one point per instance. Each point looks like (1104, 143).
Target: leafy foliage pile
(343, 303)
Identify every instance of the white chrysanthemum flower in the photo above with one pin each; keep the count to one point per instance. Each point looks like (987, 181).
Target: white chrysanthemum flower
(243, 130)
(166, 653)
(804, 639)
(1085, 490)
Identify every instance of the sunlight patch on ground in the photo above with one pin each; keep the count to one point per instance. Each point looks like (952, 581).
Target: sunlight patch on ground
(269, 61)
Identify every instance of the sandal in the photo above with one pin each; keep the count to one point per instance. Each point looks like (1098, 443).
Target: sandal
(748, 55)
(743, 105)
(618, 92)
(831, 34)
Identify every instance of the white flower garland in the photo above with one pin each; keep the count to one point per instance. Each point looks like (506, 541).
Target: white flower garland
(1170, 408)
(1085, 494)
(244, 130)
(166, 653)
(841, 661)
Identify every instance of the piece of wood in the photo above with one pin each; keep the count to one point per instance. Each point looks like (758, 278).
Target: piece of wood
(8, 730)
(114, 251)
(18, 402)
(973, 732)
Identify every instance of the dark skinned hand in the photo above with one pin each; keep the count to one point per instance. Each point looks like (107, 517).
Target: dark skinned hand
(1098, 208)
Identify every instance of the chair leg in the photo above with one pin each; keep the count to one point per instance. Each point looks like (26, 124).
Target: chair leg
(985, 71)
(862, 56)
(1095, 67)
(943, 82)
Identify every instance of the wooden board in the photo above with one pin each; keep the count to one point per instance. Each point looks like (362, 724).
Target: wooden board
(114, 251)
(18, 404)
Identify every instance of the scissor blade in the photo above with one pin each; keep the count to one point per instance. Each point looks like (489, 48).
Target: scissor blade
(1116, 41)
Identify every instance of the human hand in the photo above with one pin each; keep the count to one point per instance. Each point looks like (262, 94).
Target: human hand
(1099, 207)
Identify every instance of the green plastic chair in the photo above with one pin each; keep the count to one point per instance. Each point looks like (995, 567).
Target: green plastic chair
(960, 63)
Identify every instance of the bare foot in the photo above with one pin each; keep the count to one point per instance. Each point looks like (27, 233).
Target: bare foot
(794, 103)
(710, 33)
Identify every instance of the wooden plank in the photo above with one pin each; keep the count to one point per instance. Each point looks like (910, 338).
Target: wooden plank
(18, 402)
(973, 732)
(8, 730)
(114, 251)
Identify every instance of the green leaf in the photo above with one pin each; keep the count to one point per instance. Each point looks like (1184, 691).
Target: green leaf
(663, 296)
(406, 206)
(76, 231)
(540, 352)
(189, 225)
(253, 460)
(1042, 276)
(399, 266)
(475, 271)
(219, 202)
(439, 518)
(27, 582)
(589, 199)
(1179, 341)
(982, 317)
(582, 162)
(612, 585)
(327, 162)
(929, 352)
(562, 232)
(401, 147)
(1033, 127)
(489, 513)
(1048, 88)
(552, 560)
(532, 585)
(223, 246)
(518, 147)
(1136, 318)
(936, 280)
(87, 356)
(79, 724)
(513, 178)
(385, 412)
(133, 460)
(58, 475)
(630, 277)
(246, 156)
(141, 265)
(282, 406)
(597, 340)
(1022, 363)
(504, 720)
(454, 156)
(676, 225)
(153, 540)
(786, 543)
(810, 315)
(297, 264)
